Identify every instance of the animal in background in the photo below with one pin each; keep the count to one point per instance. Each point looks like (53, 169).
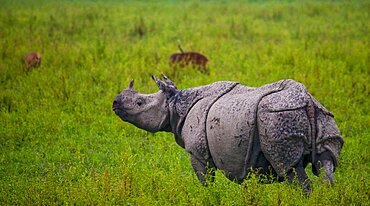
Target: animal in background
(184, 59)
(32, 60)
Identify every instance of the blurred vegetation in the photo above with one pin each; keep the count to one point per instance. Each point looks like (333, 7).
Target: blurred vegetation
(60, 142)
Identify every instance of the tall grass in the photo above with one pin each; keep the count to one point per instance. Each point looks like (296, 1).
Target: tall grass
(60, 143)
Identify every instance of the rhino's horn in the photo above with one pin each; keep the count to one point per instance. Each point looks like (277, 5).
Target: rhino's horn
(131, 85)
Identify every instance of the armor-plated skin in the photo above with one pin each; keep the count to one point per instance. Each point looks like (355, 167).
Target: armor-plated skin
(275, 129)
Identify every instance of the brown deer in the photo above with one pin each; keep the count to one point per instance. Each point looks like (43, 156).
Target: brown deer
(32, 60)
(184, 59)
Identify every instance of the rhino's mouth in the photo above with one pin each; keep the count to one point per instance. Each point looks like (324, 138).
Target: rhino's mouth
(115, 110)
(118, 111)
(121, 113)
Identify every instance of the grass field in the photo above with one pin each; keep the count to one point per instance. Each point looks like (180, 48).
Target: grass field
(60, 142)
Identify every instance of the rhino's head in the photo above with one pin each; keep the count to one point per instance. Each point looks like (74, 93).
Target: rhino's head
(146, 111)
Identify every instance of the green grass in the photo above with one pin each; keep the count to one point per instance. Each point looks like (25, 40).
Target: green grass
(60, 142)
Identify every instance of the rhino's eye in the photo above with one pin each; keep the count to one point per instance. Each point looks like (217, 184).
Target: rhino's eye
(139, 103)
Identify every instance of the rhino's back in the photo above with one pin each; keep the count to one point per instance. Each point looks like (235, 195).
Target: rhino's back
(231, 129)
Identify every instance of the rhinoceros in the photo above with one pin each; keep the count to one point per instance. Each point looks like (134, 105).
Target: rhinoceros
(275, 129)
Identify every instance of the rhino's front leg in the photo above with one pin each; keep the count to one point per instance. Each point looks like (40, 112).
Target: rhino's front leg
(205, 170)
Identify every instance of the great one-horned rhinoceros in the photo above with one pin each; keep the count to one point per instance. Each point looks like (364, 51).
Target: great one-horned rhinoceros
(277, 129)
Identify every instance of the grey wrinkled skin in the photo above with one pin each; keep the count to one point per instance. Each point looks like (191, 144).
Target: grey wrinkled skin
(276, 129)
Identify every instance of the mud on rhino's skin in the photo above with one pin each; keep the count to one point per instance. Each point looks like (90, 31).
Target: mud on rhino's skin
(276, 128)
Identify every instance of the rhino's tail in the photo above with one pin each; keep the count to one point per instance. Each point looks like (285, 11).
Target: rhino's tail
(325, 135)
(311, 114)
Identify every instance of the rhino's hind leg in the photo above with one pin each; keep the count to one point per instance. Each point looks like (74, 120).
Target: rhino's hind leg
(299, 172)
(283, 136)
(205, 170)
(325, 161)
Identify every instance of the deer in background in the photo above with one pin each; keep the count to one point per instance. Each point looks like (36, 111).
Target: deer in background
(184, 59)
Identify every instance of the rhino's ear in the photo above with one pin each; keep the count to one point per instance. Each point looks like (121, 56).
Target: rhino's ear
(169, 89)
(161, 85)
(168, 81)
(131, 85)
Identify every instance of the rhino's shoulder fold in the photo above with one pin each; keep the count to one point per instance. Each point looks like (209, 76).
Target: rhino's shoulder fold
(184, 101)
